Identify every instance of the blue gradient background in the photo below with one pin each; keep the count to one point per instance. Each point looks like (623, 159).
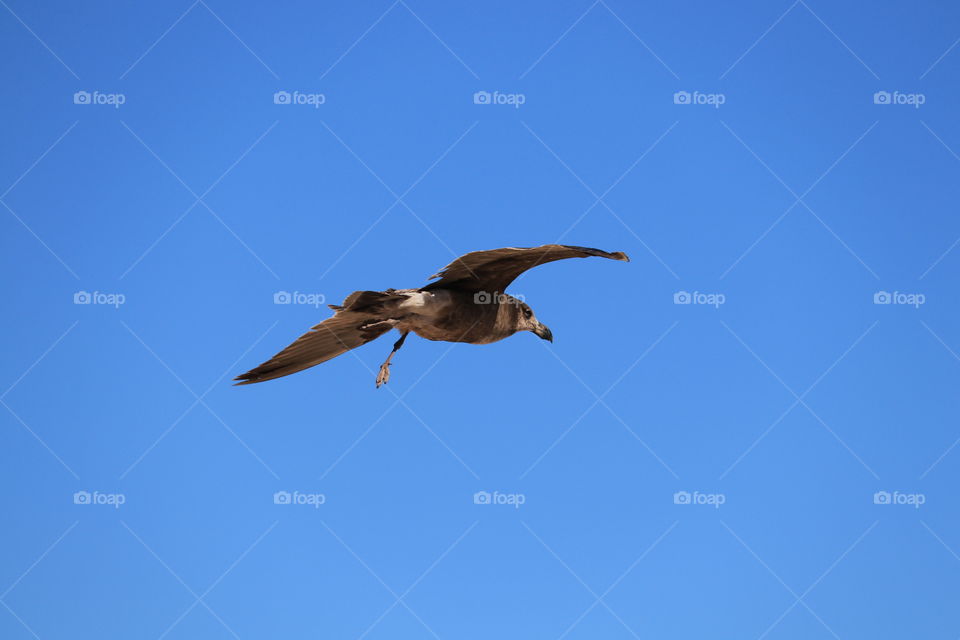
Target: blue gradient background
(638, 397)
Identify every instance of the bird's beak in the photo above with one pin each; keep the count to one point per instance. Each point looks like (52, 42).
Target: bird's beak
(543, 331)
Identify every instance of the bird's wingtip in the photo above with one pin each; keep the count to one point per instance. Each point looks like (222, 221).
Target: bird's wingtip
(621, 256)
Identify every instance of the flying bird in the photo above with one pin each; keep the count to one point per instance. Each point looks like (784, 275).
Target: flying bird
(466, 304)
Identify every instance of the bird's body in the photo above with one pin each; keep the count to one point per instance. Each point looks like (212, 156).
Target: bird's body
(454, 316)
(467, 304)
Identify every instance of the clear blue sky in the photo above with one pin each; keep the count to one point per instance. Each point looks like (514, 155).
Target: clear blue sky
(773, 459)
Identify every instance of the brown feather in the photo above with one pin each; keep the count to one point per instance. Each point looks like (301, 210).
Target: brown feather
(493, 270)
(332, 337)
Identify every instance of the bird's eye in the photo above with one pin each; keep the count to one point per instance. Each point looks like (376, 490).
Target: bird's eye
(527, 313)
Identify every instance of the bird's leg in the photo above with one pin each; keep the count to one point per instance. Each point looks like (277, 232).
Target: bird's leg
(384, 374)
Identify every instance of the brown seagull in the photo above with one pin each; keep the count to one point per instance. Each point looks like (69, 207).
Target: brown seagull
(467, 304)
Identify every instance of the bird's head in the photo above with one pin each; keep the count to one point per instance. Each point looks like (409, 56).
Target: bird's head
(527, 321)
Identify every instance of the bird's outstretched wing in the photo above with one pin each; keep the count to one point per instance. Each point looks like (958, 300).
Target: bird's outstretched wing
(332, 337)
(495, 269)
